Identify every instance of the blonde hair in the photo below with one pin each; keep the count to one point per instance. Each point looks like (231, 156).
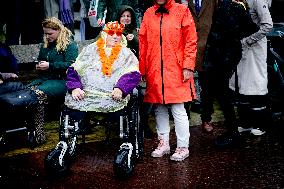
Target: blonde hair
(64, 36)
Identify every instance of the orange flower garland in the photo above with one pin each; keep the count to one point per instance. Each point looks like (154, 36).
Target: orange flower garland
(107, 62)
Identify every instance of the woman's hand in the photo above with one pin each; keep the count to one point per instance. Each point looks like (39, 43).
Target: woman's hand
(6, 76)
(42, 65)
(78, 94)
(100, 22)
(116, 94)
(14, 76)
(129, 37)
(187, 74)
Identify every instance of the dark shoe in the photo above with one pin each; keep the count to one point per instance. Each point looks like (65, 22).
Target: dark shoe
(148, 133)
(227, 140)
(196, 107)
(207, 127)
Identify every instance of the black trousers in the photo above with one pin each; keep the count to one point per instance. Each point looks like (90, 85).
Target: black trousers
(254, 111)
(215, 85)
(91, 32)
(81, 116)
(23, 18)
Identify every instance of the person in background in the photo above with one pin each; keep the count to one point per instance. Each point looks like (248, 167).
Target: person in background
(8, 64)
(126, 16)
(57, 53)
(202, 12)
(51, 8)
(89, 31)
(113, 7)
(66, 14)
(167, 52)
(15, 97)
(23, 21)
(252, 69)
(231, 23)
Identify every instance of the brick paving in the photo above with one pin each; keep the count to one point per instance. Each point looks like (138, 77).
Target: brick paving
(256, 163)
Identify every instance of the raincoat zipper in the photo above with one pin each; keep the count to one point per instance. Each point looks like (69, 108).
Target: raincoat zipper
(162, 63)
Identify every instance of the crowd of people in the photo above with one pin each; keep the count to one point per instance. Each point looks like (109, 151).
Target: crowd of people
(161, 43)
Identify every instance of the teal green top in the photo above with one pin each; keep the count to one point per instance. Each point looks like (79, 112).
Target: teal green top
(52, 80)
(58, 61)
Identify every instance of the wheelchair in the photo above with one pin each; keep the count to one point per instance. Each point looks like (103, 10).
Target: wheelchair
(58, 160)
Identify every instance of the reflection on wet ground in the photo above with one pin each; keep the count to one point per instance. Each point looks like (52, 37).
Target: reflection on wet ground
(256, 163)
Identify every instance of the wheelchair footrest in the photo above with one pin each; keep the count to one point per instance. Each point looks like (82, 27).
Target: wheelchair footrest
(123, 164)
(57, 160)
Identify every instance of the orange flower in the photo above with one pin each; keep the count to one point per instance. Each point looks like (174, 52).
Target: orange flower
(107, 62)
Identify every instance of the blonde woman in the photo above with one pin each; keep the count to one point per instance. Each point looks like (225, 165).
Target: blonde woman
(57, 53)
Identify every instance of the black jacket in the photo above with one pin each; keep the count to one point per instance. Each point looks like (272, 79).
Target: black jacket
(231, 23)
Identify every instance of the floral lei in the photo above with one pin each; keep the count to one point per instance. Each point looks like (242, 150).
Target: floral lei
(107, 62)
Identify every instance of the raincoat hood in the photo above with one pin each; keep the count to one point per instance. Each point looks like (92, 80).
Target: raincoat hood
(133, 24)
(167, 5)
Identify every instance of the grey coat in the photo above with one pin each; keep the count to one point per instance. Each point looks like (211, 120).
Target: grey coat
(252, 69)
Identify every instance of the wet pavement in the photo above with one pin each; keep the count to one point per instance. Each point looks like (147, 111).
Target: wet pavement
(256, 163)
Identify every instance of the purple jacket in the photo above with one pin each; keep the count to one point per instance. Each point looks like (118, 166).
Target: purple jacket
(126, 83)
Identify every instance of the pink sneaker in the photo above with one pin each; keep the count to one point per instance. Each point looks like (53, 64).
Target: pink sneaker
(161, 150)
(180, 154)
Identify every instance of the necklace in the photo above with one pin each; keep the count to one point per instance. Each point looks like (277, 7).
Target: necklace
(107, 62)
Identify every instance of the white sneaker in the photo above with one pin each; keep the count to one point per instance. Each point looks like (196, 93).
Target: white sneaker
(180, 154)
(162, 149)
(241, 129)
(257, 132)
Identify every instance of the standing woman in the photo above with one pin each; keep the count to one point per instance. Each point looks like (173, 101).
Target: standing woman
(56, 54)
(127, 17)
(252, 69)
(167, 52)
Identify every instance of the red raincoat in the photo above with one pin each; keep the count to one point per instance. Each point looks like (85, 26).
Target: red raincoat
(167, 45)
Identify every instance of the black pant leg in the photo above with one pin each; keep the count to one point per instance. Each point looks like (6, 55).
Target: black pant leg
(206, 80)
(91, 32)
(225, 98)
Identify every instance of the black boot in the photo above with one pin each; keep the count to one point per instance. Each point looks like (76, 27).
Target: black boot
(228, 139)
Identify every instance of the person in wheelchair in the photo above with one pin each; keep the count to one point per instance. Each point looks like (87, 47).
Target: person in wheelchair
(104, 74)
(16, 99)
(100, 81)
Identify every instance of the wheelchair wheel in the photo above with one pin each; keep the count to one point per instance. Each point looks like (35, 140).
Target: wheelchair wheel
(57, 161)
(123, 165)
(68, 133)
